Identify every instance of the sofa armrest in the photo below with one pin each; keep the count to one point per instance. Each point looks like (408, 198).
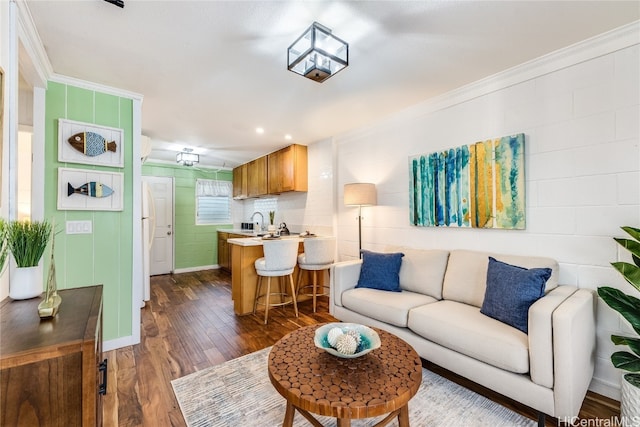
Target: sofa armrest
(344, 276)
(574, 348)
(541, 334)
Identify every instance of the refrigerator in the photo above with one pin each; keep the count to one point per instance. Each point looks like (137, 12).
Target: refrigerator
(148, 229)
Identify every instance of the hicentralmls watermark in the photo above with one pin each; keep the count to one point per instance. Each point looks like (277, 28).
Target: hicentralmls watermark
(598, 422)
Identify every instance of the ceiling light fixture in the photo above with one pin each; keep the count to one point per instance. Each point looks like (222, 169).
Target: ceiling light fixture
(187, 158)
(317, 54)
(259, 131)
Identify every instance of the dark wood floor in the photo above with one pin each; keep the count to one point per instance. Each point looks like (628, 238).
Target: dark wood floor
(189, 325)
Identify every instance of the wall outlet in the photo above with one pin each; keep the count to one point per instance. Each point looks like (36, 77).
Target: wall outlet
(79, 227)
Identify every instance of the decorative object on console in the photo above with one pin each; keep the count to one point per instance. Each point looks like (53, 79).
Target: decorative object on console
(380, 271)
(27, 241)
(94, 190)
(629, 307)
(317, 54)
(346, 340)
(511, 290)
(187, 157)
(51, 303)
(90, 144)
(360, 194)
(480, 185)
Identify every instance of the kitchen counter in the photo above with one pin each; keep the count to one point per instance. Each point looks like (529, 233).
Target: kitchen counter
(258, 241)
(244, 253)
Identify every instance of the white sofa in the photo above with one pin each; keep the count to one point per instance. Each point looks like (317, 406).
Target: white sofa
(438, 313)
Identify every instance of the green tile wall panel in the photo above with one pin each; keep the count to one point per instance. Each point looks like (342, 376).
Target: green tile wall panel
(80, 104)
(105, 256)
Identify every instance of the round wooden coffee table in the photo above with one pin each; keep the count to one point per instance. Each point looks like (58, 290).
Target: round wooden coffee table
(314, 381)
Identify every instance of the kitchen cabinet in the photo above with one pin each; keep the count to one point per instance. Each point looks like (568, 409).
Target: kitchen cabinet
(287, 169)
(224, 250)
(51, 370)
(240, 182)
(257, 177)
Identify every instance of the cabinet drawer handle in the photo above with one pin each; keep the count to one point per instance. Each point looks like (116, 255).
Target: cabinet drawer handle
(102, 388)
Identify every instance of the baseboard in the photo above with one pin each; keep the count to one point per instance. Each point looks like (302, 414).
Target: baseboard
(199, 268)
(605, 388)
(118, 343)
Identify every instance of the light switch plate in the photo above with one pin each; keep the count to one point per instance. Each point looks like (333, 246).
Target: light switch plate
(79, 227)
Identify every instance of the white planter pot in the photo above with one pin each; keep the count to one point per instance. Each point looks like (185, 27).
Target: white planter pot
(25, 282)
(629, 405)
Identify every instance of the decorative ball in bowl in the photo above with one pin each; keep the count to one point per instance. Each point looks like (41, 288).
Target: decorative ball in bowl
(346, 340)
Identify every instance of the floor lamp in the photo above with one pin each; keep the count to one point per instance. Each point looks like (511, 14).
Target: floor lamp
(360, 194)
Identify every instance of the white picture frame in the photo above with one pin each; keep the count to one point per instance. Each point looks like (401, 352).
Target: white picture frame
(68, 154)
(73, 179)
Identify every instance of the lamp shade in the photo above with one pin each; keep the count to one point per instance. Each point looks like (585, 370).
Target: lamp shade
(360, 194)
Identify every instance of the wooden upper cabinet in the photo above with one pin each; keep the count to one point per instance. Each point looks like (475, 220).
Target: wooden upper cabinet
(257, 177)
(287, 169)
(240, 182)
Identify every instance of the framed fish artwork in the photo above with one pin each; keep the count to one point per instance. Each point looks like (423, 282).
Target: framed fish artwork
(90, 144)
(90, 190)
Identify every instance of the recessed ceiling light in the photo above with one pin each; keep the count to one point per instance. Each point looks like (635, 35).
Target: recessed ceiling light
(287, 137)
(260, 131)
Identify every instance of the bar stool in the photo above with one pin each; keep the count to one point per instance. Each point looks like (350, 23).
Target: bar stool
(279, 260)
(317, 256)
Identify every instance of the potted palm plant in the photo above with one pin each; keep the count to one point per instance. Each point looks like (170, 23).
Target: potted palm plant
(629, 307)
(27, 241)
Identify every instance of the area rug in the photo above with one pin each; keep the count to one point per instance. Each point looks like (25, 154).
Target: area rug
(238, 393)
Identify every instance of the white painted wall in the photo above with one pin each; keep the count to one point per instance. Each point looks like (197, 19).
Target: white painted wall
(313, 210)
(581, 122)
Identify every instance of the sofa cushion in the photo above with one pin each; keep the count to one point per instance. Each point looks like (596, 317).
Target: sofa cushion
(388, 307)
(422, 271)
(466, 276)
(510, 292)
(380, 271)
(462, 328)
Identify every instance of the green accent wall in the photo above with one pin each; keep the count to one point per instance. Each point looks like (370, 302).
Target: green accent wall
(194, 245)
(106, 255)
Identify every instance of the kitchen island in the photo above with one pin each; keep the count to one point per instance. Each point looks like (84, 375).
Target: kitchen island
(244, 253)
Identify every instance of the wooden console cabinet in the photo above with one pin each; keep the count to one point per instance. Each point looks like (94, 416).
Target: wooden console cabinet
(51, 371)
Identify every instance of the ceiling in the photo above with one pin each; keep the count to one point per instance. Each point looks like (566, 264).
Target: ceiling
(211, 72)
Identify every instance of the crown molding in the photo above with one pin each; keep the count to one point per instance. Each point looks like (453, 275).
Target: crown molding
(585, 50)
(84, 84)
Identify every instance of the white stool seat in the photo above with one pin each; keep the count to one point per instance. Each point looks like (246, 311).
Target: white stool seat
(280, 257)
(318, 256)
(302, 261)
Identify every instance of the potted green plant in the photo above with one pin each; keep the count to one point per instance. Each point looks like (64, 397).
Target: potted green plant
(629, 307)
(27, 241)
(4, 245)
(272, 217)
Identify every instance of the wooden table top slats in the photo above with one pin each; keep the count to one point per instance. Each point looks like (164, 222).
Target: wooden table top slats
(377, 383)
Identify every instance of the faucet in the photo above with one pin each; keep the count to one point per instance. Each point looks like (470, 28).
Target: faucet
(261, 220)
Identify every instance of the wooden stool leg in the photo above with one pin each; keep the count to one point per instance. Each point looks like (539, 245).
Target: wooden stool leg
(299, 280)
(255, 300)
(268, 300)
(293, 294)
(315, 289)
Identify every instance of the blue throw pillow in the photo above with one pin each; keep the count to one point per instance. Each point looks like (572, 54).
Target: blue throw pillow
(511, 290)
(380, 271)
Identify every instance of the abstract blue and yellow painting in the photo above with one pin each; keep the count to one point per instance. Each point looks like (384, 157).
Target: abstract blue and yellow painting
(479, 185)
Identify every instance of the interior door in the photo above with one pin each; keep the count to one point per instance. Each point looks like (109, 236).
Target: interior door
(161, 259)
